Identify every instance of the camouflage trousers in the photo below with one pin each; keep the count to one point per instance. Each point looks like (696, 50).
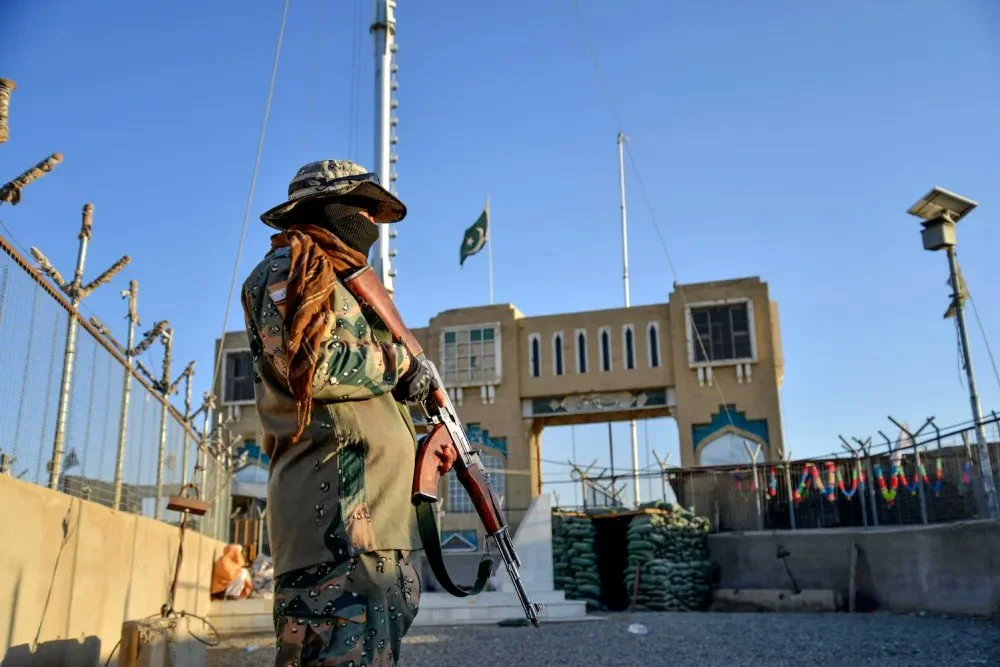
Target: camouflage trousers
(349, 614)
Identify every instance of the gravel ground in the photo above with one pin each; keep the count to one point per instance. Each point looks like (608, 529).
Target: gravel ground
(679, 639)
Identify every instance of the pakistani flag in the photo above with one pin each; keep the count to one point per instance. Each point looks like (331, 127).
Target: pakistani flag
(475, 236)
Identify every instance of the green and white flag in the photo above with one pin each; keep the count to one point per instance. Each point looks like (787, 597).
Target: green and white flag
(476, 236)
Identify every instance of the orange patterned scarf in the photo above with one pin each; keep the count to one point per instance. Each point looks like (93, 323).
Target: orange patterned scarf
(317, 258)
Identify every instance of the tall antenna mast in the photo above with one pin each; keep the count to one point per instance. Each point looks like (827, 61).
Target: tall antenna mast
(383, 31)
(628, 304)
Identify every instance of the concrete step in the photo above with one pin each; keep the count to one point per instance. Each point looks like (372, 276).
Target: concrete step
(769, 599)
(237, 616)
(254, 614)
(488, 608)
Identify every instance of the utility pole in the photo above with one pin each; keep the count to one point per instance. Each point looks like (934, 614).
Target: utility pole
(940, 211)
(633, 427)
(383, 30)
(985, 467)
(130, 351)
(76, 291)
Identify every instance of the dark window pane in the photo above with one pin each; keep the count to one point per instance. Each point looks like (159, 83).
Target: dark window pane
(654, 348)
(559, 355)
(700, 318)
(742, 344)
(449, 337)
(702, 346)
(605, 351)
(239, 377)
(488, 334)
(476, 334)
(536, 354)
(739, 317)
(629, 352)
(581, 352)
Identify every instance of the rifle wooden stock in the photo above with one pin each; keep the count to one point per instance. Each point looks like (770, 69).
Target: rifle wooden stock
(428, 468)
(365, 285)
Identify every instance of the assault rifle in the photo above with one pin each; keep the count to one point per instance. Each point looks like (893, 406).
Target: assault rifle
(446, 432)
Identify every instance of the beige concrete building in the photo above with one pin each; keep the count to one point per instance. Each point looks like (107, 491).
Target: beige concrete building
(511, 376)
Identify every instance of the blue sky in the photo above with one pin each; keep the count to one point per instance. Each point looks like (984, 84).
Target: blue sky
(779, 139)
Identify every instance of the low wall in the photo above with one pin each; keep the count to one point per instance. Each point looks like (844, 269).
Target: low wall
(71, 571)
(950, 568)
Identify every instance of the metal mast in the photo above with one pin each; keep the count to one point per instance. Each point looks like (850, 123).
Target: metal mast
(985, 465)
(383, 30)
(628, 304)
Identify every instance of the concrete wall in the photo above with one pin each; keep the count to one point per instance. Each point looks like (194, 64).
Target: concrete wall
(71, 571)
(950, 568)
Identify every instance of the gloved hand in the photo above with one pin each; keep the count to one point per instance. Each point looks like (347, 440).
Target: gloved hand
(416, 385)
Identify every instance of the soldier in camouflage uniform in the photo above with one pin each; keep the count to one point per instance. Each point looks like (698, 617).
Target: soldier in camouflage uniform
(331, 387)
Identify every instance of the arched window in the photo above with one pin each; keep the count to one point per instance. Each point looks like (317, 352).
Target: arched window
(653, 340)
(581, 351)
(557, 353)
(536, 355)
(605, 349)
(628, 340)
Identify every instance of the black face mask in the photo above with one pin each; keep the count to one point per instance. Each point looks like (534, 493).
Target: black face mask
(346, 222)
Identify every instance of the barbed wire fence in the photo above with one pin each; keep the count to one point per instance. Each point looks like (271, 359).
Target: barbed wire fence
(76, 414)
(927, 476)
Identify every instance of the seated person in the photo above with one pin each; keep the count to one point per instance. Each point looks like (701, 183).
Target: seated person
(230, 576)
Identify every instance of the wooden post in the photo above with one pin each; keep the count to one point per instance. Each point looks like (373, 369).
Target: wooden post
(128, 652)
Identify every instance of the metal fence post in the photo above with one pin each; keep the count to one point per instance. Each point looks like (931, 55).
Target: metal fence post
(916, 454)
(756, 487)
(188, 375)
(11, 191)
(129, 350)
(76, 291)
(788, 488)
(865, 447)
(6, 88)
(163, 387)
(858, 475)
(663, 472)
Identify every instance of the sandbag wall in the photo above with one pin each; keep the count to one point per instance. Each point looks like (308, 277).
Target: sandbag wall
(669, 546)
(574, 562)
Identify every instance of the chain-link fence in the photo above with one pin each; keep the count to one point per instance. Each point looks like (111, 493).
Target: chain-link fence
(34, 319)
(936, 480)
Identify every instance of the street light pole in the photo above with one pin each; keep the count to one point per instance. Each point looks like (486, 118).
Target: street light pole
(940, 211)
(985, 467)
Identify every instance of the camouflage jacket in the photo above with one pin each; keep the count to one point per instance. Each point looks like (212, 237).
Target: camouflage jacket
(344, 488)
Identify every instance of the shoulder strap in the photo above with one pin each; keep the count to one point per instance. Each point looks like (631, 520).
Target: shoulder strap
(432, 547)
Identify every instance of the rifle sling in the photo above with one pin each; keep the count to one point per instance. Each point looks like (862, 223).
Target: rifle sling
(432, 547)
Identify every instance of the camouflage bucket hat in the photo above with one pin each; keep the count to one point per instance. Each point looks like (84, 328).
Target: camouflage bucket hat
(336, 178)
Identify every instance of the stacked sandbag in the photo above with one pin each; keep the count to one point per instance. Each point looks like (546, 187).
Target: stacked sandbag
(666, 586)
(574, 563)
(670, 546)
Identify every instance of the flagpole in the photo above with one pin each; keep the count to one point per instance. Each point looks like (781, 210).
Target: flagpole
(489, 244)
(633, 427)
